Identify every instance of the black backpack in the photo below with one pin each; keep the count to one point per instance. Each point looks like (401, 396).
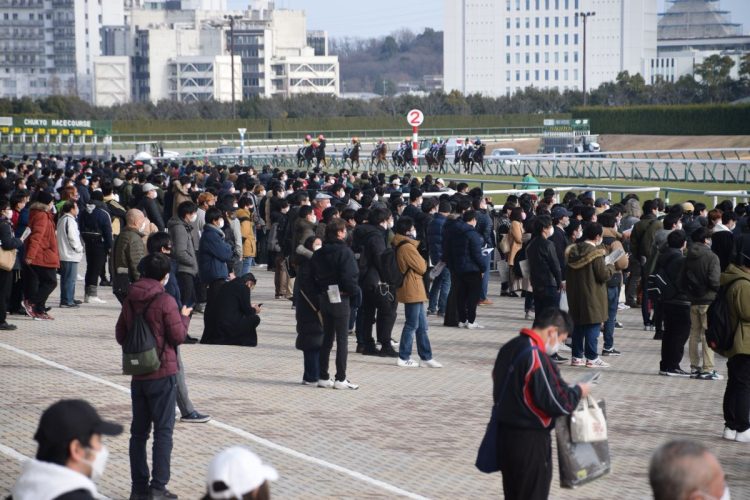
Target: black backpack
(720, 332)
(389, 271)
(139, 355)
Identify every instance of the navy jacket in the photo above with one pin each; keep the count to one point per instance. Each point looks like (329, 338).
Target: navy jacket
(484, 228)
(96, 226)
(466, 249)
(214, 255)
(435, 237)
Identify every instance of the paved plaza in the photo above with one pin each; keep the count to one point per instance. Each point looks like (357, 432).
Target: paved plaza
(404, 433)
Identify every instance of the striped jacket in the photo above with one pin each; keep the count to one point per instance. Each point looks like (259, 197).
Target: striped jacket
(535, 393)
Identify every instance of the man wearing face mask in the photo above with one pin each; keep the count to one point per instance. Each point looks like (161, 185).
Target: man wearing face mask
(150, 206)
(185, 249)
(530, 393)
(71, 455)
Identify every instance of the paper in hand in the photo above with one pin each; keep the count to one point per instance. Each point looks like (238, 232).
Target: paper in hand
(614, 256)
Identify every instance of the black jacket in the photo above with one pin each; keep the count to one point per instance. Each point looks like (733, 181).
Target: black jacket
(561, 243)
(369, 242)
(334, 264)
(543, 263)
(153, 211)
(670, 267)
(535, 393)
(231, 320)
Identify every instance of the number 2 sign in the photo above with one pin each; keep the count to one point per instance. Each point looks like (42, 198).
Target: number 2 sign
(415, 117)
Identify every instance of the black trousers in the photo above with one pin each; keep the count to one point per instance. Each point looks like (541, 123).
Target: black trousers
(16, 292)
(213, 291)
(451, 307)
(374, 303)
(335, 325)
(6, 278)
(186, 284)
(676, 333)
(96, 256)
(737, 394)
(467, 295)
(40, 281)
(526, 463)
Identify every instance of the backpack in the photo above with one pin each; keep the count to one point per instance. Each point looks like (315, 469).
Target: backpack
(139, 356)
(720, 333)
(660, 287)
(390, 273)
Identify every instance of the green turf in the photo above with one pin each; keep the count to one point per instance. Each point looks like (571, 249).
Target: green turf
(674, 197)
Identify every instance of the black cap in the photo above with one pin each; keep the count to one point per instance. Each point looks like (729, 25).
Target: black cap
(70, 419)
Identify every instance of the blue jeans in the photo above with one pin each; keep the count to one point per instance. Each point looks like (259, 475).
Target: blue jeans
(441, 287)
(485, 279)
(613, 296)
(589, 334)
(415, 321)
(153, 404)
(68, 276)
(247, 264)
(312, 365)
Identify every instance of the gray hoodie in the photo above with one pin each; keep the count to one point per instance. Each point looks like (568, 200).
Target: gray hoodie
(47, 481)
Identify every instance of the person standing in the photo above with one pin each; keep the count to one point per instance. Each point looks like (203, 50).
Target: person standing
(587, 276)
(96, 229)
(642, 248)
(412, 294)
(611, 241)
(515, 235)
(484, 228)
(248, 234)
(308, 316)
(153, 395)
(127, 253)
(546, 273)
(469, 263)
(214, 254)
(335, 272)
(441, 285)
(676, 306)
(701, 280)
(41, 257)
(9, 242)
(71, 252)
(530, 393)
(185, 249)
(150, 206)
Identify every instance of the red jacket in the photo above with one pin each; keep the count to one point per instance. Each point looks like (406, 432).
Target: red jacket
(41, 245)
(165, 321)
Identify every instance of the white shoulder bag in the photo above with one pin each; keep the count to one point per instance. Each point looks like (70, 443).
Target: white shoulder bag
(587, 422)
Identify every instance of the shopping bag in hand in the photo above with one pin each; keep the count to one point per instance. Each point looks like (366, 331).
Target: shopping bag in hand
(580, 463)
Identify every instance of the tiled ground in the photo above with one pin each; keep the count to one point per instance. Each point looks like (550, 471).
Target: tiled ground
(403, 433)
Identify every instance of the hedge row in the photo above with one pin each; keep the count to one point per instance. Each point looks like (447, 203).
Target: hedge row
(313, 125)
(698, 119)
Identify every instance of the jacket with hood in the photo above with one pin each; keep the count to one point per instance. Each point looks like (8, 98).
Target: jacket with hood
(435, 237)
(41, 245)
(248, 233)
(642, 237)
(184, 245)
(303, 229)
(69, 239)
(180, 195)
(168, 326)
(701, 275)
(612, 242)
(413, 266)
(334, 264)
(738, 297)
(127, 253)
(49, 481)
(96, 226)
(587, 276)
(214, 255)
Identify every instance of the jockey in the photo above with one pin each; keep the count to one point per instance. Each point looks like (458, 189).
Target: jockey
(308, 139)
(477, 142)
(355, 141)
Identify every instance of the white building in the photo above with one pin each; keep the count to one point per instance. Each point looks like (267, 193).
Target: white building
(501, 47)
(203, 78)
(111, 80)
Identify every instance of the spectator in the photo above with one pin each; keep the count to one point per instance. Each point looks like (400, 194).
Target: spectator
(153, 395)
(683, 470)
(700, 280)
(96, 230)
(238, 473)
(9, 243)
(214, 254)
(278, 249)
(205, 201)
(150, 206)
(546, 272)
(233, 319)
(642, 249)
(467, 250)
(529, 393)
(484, 228)
(71, 455)
(675, 305)
(185, 250)
(441, 284)
(517, 216)
(41, 257)
(736, 279)
(334, 270)
(181, 192)
(412, 294)
(587, 276)
(71, 252)
(611, 241)
(308, 316)
(245, 218)
(127, 253)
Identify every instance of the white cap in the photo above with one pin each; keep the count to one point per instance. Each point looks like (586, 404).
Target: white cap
(396, 181)
(439, 181)
(240, 470)
(323, 196)
(148, 187)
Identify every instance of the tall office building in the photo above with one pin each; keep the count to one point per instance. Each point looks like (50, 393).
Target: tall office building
(501, 47)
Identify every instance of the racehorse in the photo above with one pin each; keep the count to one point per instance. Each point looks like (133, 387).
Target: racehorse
(305, 155)
(352, 154)
(403, 157)
(472, 155)
(320, 152)
(379, 155)
(436, 157)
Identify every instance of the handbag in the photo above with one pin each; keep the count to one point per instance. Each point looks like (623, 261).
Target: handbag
(504, 244)
(7, 259)
(488, 459)
(587, 422)
(580, 463)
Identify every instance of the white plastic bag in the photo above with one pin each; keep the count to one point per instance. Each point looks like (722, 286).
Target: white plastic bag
(587, 423)
(564, 301)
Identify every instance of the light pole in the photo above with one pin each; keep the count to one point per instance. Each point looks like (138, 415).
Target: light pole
(231, 56)
(242, 143)
(584, 16)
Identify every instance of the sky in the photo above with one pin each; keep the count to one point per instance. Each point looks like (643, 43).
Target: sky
(367, 18)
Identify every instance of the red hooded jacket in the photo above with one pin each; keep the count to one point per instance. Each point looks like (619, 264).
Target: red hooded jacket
(166, 322)
(41, 245)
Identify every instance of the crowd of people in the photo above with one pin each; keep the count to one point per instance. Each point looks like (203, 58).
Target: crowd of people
(345, 248)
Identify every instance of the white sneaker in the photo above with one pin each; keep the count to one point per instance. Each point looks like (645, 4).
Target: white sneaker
(79, 278)
(407, 363)
(729, 434)
(88, 299)
(596, 363)
(305, 382)
(474, 326)
(325, 384)
(431, 363)
(743, 437)
(622, 307)
(344, 384)
(394, 344)
(463, 325)
(565, 348)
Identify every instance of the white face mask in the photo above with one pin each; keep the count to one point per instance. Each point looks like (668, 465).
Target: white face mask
(221, 223)
(390, 224)
(9, 214)
(314, 219)
(152, 194)
(166, 280)
(188, 186)
(412, 234)
(193, 217)
(98, 464)
(552, 349)
(316, 247)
